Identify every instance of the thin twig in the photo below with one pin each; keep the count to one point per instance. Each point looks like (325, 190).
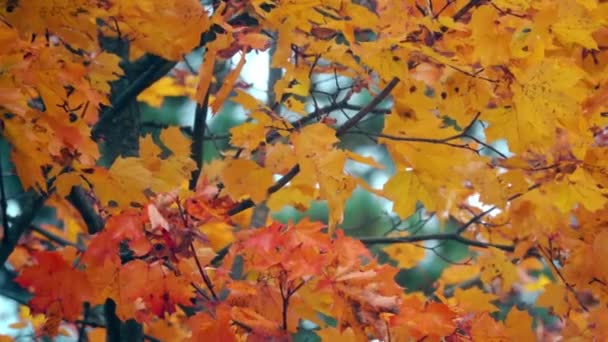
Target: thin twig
(445, 6)
(465, 9)
(479, 216)
(55, 238)
(204, 275)
(426, 237)
(244, 205)
(549, 257)
(368, 108)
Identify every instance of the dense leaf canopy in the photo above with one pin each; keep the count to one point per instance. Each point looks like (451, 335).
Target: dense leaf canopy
(488, 119)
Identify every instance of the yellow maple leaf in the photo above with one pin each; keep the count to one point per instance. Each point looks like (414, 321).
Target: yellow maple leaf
(545, 97)
(164, 87)
(219, 234)
(244, 178)
(458, 273)
(176, 141)
(490, 42)
(123, 183)
(406, 188)
(577, 188)
(554, 297)
(496, 264)
(474, 300)
(407, 255)
(519, 325)
(296, 196)
(575, 25)
(248, 135)
(280, 158)
(170, 35)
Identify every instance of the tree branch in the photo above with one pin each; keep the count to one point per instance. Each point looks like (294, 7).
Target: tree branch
(156, 68)
(455, 236)
(244, 205)
(548, 255)
(368, 108)
(33, 204)
(82, 333)
(426, 237)
(465, 9)
(95, 324)
(57, 239)
(10, 289)
(79, 199)
(198, 139)
(3, 206)
(479, 216)
(204, 275)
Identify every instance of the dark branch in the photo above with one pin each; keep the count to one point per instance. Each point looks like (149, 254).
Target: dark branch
(80, 200)
(157, 68)
(198, 139)
(57, 239)
(442, 141)
(479, 216)
(368, 108)
(95, 324)
(204, 275)
(32, 205)
(244, 205)
(465, 9)
(10, 289)
(3, 206)
(82, 334)
(549, 256)
(442, 236)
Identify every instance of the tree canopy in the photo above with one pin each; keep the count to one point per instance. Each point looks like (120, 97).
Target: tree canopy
(474, 130)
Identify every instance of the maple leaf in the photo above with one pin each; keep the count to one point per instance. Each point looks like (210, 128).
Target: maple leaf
(434, 319)
(406, 255)
(105, 246)
(171, 35)
(219, 326)
(244, 178)
(406, 189)
(66, 292)
(485, 328)
(518, 325)
(165, 87)
(554, 297)
(475, 300)
(494, 264)
(159, 290)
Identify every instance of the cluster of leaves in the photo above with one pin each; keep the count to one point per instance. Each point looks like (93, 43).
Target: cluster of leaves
(161, 241)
